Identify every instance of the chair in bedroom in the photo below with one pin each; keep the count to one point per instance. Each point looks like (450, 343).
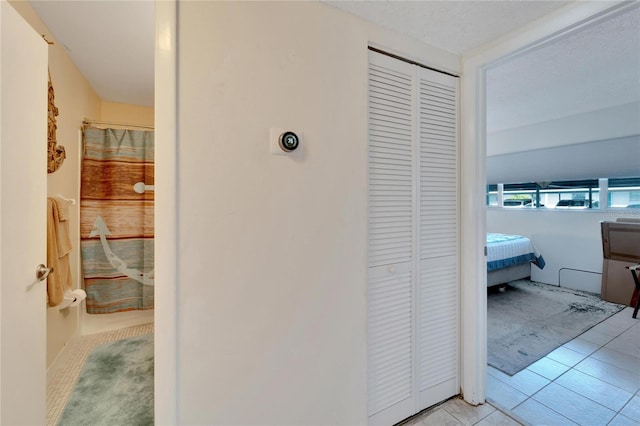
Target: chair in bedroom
(635, 299)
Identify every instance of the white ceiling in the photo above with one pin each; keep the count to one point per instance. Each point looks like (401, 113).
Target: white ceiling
(594, 68)
(112, 43)
(456, 26)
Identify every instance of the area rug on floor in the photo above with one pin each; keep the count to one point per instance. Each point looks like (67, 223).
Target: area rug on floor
(528, 320)
(115, 386)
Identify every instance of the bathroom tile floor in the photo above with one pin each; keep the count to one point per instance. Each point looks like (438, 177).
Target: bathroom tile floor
(62, 376)
(592, 380)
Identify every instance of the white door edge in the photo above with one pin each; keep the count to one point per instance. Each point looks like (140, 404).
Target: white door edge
(166, 372)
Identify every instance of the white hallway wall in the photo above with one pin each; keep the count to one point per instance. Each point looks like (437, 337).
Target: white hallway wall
(271, 255)
(565, 238)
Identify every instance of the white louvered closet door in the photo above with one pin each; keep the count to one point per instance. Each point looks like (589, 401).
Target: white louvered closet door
(391, 394)
(437, 296)
(412, 240)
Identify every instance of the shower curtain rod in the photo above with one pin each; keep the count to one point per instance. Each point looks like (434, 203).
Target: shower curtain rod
(88, 122)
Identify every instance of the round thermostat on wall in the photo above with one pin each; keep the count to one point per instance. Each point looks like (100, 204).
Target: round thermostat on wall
(286, 141)
(289, 141)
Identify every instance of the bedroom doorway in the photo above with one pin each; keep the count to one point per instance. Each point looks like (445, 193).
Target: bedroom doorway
(529, 391)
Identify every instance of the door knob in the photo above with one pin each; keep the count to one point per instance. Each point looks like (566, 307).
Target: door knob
(42, 272)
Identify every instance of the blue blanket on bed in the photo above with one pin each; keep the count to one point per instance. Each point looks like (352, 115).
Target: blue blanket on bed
(504, 251)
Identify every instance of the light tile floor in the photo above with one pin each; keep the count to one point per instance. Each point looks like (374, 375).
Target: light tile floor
(592, 380)
(456, 412)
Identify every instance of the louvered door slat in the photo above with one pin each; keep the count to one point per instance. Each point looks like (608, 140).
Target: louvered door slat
(388, 139)
(383, 143)
(439, 106)
(438, 133)
(439, 114)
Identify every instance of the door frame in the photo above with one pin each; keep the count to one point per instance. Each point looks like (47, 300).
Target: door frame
(166, 372)
(473, 172)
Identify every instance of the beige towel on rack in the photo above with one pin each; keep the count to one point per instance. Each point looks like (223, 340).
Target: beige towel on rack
(58, 249)
(63, 209)
(64, 240)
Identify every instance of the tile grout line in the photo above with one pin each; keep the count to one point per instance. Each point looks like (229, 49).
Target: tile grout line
(586, 397)
(543, 404)
(604, 381)
(531, 398)
(513, 416)
(507, 412)
(609, 364)
(479, 420)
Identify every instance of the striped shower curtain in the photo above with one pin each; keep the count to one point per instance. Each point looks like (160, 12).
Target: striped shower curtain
(116, 221)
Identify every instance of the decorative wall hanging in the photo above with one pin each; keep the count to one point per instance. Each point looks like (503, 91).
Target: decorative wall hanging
(55, 153)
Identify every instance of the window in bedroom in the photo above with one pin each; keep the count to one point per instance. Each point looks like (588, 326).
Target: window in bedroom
(624, 193)
(570, 194)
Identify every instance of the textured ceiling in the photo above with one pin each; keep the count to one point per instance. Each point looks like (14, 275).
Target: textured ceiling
(111, 43)
(594, 68)
(455, 26)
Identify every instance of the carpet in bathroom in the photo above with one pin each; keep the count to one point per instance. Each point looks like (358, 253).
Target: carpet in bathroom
(115, 386)
(527, 320)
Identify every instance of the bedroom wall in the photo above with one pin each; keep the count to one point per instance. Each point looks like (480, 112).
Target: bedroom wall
(566, 239)
(612, 158)
(271, 255)
(603, 143)
(609, 123)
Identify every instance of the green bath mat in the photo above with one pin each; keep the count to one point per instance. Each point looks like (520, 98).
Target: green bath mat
(115, 386)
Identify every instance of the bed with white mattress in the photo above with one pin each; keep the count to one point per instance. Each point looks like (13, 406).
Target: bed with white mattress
(509, 258)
